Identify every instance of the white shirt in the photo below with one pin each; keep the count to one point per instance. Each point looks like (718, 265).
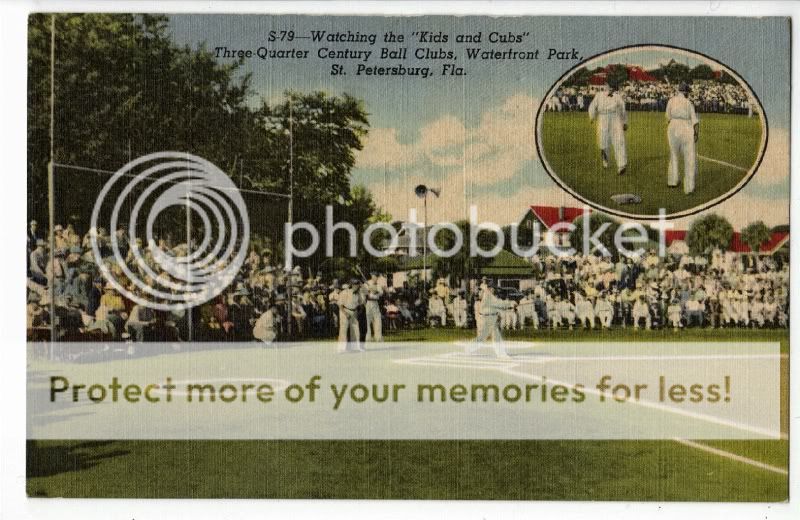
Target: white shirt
(265, 326)
(350, 299)
(603, 104)
(678, 107)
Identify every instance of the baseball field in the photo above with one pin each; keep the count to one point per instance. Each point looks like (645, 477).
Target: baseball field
(727, 149)
(679, 469)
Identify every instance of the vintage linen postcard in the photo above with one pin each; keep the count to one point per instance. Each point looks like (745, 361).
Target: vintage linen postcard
(431, 257)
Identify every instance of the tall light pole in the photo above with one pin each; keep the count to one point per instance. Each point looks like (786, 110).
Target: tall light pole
(290, 220)
(51, 205)
(422, 192)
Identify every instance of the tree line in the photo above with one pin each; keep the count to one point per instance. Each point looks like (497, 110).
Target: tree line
(124, 89)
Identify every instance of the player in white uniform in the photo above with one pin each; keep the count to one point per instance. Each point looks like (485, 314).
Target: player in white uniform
(476, 309)
(349, 333)
(373, 309)
(757, 311)
(742, 309)
(525, 310)
(682, 131)
(608, 109)
(641, 311)
(460, 310)
(565, 311)
(509, 315)
(266, 326)
(585, 310)
(674, 313)
(552, 311)
(437, 310)
(604, 311)
(490, 306)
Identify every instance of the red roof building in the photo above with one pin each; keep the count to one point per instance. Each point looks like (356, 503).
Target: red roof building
(635, 73)
(549, 216)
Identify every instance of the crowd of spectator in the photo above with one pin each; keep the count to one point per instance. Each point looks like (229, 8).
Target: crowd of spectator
(707, 96)
(267, 303)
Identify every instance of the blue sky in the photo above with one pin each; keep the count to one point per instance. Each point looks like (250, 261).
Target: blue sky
(422, 126)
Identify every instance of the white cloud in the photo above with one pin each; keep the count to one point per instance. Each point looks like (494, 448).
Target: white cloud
(491, 151)
(383, 148)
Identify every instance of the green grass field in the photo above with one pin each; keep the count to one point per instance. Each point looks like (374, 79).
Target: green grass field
(530, 470)
(570, 148)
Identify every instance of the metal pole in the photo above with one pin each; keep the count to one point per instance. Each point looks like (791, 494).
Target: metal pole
(289, 219)
(51, 183)
(425, 245)
(190, 309)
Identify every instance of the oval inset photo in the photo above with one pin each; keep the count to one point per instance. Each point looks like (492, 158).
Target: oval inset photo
(639, 129)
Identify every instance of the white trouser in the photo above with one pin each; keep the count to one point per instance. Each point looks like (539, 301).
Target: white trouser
(529, 313)
(605, 318)
(374, 322)
(728, 315)
(505, 320)
(583, 318)
(675, 320)
(348, 325)
(610, 133)
(460, 317)
(535, 318)
(555, 318)
(682, 146)
(744, 315)
(442, 315)
(489, 328)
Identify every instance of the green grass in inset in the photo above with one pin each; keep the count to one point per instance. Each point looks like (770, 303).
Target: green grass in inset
(570, 148)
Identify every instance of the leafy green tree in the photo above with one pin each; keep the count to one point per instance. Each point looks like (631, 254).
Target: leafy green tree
(724, 77)
(672, 71)
(316, 135)
(580, 77)
(617, 74)
(596, 221)
(123, 89)
(755, 235)
(461, 266)
(708, 233)
(359, 210)
(701, 72)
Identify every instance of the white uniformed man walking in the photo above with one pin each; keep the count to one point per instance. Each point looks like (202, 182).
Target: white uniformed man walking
(608, 109)
(682, 132)
(489, 307)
